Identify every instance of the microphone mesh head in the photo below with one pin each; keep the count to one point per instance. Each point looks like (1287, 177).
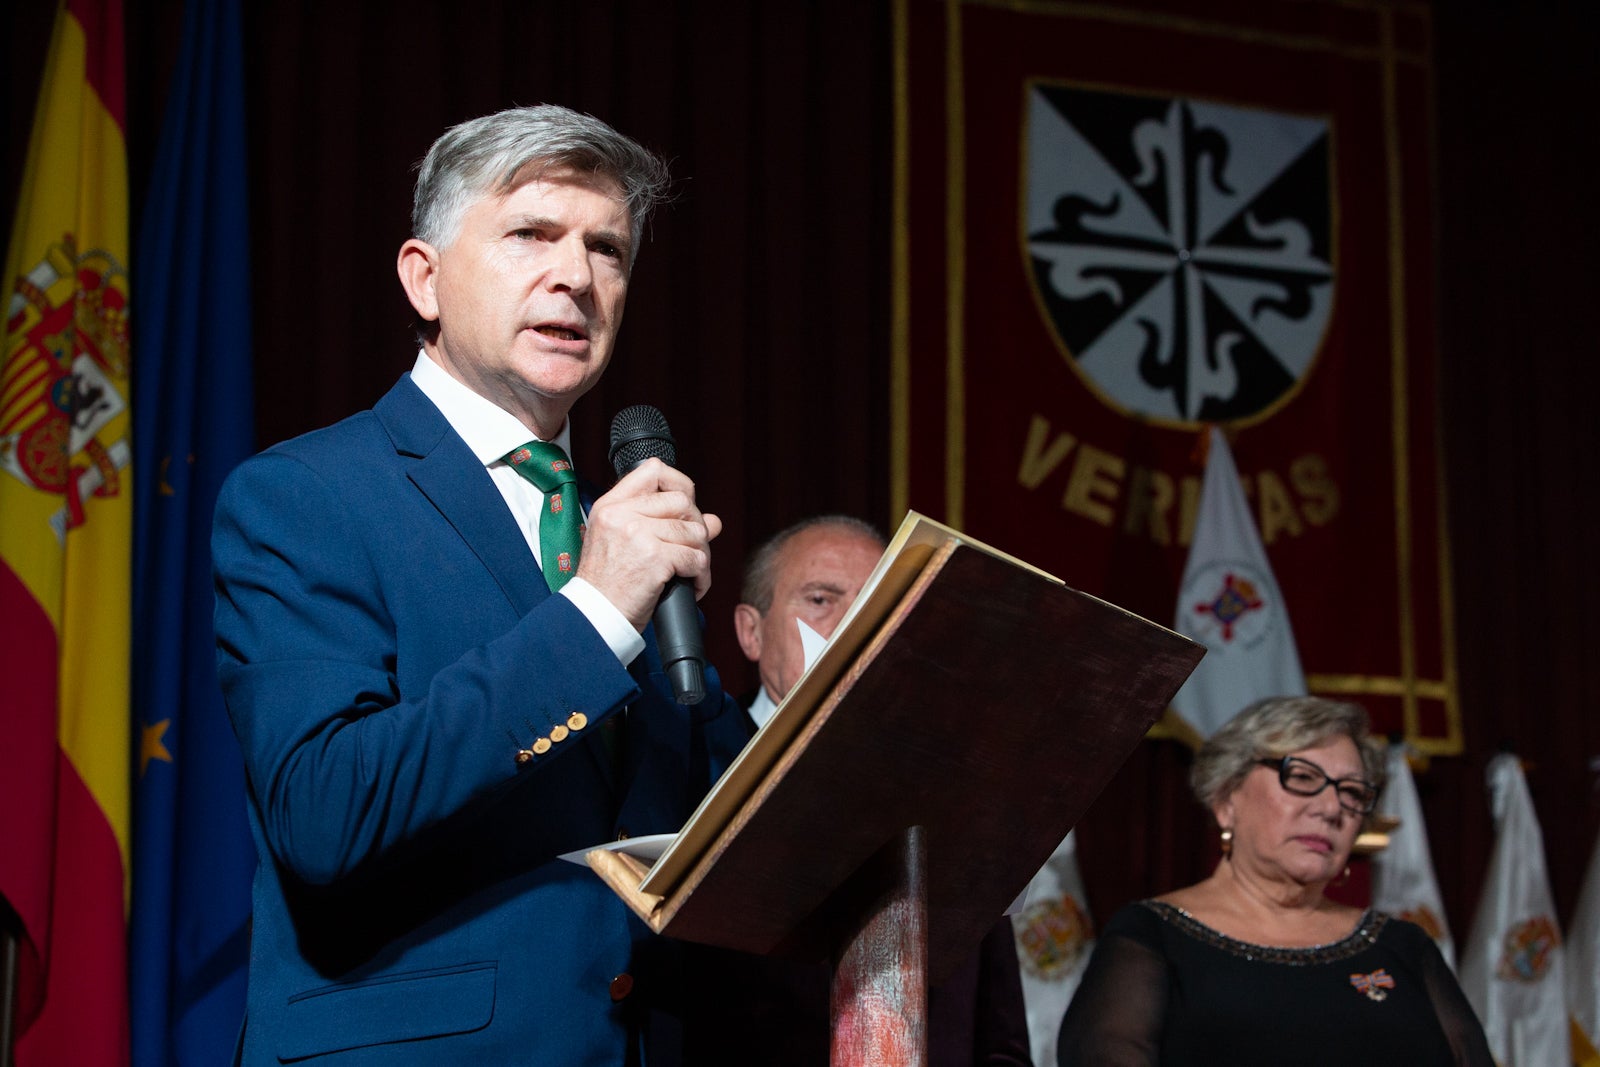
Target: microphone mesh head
(638, 433)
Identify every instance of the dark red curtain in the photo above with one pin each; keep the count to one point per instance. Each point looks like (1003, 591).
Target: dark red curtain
(759, 317)
(1518, 327)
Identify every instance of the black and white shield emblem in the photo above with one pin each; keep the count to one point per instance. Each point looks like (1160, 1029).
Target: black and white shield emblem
(1180, 249)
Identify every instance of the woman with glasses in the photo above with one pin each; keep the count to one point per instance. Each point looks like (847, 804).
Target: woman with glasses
(1255, 965)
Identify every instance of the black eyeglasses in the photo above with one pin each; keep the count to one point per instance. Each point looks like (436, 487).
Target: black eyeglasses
(1305, 779)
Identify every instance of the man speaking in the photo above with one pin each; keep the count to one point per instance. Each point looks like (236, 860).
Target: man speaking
(435, 646)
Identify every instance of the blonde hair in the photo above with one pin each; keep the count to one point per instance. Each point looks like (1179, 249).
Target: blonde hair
(1275, 727)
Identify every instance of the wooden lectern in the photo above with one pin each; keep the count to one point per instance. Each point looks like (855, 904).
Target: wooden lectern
(962, 719)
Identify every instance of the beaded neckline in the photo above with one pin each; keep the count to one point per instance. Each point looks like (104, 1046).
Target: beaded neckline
(1364, 935)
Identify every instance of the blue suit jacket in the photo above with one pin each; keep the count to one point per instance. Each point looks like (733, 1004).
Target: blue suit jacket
(387, 644)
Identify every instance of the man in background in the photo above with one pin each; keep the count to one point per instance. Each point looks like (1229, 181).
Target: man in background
(810, 572)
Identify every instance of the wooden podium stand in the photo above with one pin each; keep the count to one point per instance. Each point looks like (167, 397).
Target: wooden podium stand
(912, 784)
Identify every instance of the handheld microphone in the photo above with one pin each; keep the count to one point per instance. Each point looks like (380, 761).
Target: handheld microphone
(638, 433)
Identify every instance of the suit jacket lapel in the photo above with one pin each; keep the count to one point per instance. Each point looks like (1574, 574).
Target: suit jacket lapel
(444, 470)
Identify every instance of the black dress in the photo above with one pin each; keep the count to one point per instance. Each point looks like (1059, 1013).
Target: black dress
(1163, 988)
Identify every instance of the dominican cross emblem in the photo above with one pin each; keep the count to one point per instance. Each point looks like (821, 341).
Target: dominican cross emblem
(1236, 599)
(1181, 250)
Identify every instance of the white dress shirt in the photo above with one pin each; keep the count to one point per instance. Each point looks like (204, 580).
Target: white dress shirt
(492, 433)
(761, 708)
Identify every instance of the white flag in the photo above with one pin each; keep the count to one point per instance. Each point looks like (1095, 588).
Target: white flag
(1229, 602)
(1403, 882)
(1054, 939)
(1583, 958)
(1512, 970)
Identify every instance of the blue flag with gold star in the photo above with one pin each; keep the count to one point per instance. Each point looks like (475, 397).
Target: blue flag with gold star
(193, 858)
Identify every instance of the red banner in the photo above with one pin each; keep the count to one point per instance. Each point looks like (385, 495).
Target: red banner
(1116, 224)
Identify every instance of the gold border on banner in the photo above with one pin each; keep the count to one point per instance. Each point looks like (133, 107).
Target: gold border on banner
(1409, 688)
(1203, 27)
(1171, 727)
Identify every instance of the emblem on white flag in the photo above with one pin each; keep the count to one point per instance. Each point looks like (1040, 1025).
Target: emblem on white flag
(1513, 970)
(1055, 937)
(1229, 601)
(1403, 880)
(1583, 956)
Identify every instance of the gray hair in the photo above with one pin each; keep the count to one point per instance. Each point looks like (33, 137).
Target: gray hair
(760, 573)
(1275, 727)
(494, 153)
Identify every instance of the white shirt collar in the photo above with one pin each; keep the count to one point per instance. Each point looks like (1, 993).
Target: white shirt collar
(762, 707)
(488, 429)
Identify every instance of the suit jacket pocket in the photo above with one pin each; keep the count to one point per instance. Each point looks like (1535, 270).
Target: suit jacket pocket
(395, 1007)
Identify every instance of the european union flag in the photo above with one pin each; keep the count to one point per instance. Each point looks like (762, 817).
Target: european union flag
(192, 853)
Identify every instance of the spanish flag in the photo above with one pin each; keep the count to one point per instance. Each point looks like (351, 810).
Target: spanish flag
(65, 551)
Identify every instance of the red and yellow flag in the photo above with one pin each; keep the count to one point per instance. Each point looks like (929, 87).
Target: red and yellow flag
(66, 519)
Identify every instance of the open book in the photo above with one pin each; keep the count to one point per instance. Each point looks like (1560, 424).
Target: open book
(965, 691)
(903, 560)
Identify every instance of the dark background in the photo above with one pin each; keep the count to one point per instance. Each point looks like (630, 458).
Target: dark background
(758, 319)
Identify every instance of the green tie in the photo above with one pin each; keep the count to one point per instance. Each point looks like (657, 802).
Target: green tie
(561, 524)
